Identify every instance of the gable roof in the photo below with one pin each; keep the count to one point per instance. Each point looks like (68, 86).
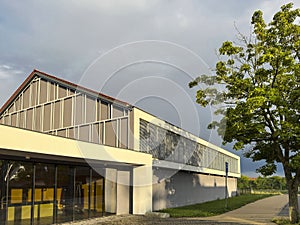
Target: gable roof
(68, 84)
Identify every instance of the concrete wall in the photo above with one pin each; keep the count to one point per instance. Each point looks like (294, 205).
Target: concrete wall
(172, 188)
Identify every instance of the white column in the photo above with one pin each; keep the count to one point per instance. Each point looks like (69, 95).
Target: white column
(123, 192)
(110, 190)
(142, 189)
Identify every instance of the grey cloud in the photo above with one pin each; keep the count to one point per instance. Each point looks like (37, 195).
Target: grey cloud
(64, 39)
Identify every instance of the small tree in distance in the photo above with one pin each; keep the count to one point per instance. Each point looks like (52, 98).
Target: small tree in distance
(261, 183)
(261, 96)
(243, 182)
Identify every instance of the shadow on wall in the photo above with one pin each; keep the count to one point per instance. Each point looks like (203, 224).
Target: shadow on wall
(186, 188)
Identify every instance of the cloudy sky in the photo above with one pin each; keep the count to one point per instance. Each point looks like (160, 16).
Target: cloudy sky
(143, 52)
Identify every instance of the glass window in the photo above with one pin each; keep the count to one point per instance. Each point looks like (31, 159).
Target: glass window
(3, 190)
(29, 115)
(7, 120)
(110, 133)
(82, 200)
(18, 104)
(52, 194)
(43, 91)
(26, 97)
(52, 91)
(79, 109)
(57, 114)
(117, 111)
(62, 92)
(14, 119)
(67, 112)
(123, 130)
(90, 109)
(97, 133)
(84, 133)
(65, 193)
(38, 116)
(47, 117)
(97, 193)
(34, 97)
(104, 110)
(19, 176)
(44, 193)
(22, 119)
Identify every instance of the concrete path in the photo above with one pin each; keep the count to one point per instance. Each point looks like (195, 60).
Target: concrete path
(260, 212)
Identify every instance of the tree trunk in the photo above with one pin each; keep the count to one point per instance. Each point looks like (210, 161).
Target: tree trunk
(293, 201)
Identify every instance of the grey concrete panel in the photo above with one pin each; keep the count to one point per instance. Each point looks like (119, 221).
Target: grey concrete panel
(184, 188)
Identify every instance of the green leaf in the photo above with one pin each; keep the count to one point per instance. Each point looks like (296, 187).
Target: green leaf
(261, 97)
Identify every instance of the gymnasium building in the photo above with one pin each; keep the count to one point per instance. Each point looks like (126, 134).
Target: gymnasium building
(69, 153)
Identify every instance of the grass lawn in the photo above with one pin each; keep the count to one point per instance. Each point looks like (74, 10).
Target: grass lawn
(214, 207)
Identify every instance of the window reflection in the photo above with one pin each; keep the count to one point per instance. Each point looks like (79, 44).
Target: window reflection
(81, 201)
(65, 193)
(44, 203)
(40, 193)
(97, 190)
(3, 198)
(19, 176)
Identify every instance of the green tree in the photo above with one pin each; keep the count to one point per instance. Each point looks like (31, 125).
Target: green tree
(243, 182)
(260, 98)
(277, 183)
(274, 182)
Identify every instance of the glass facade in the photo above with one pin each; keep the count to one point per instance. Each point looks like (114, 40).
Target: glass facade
(166, 145)
(43, 193)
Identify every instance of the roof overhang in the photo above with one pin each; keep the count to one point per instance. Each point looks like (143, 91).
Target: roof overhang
(31, 144)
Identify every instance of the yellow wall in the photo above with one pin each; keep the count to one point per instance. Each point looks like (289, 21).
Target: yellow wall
(45, 211)
(16, 196)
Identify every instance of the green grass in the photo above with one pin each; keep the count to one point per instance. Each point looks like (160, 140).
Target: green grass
(214, 207)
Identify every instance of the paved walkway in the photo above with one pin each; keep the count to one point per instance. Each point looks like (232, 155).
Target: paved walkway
(260, 212)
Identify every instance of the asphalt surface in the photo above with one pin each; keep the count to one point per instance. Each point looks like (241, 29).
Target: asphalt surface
(260, 212)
